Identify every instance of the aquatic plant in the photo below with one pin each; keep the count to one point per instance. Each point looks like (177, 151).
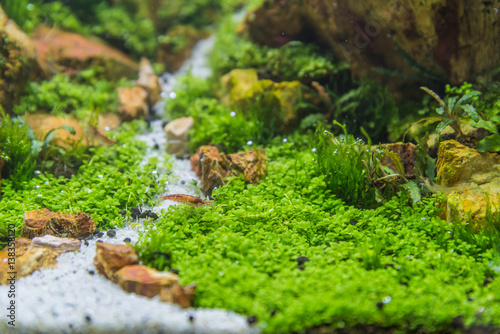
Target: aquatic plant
(16, 150)
(292, 256)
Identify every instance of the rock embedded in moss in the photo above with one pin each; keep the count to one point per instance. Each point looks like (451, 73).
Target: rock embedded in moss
(73, 52)
(17, 56)
(41, 222)
(177, 133)
(109, 258)
(149, 81)
(212, 167)
(144, 281)
(177, 294)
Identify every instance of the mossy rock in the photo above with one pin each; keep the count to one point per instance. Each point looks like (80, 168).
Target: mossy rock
(17, 57)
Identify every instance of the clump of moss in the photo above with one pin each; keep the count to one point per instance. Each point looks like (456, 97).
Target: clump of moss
(85, 95)
(291, 254)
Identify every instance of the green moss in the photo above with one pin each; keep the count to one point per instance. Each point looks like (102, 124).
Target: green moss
(85, 95)
(394, 266)
(110, 181)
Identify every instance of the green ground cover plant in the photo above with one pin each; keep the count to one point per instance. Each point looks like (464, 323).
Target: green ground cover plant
(293, 255)
(86, 95)
(111, 180)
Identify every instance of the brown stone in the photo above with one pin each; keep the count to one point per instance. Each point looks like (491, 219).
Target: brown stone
(60, 245)
(41, 124)
(406, 152)
(177, 294)
(213, 167)
(144, 281)
(450, 41)
(21, 245)
(42, 222)
(18, 59)
(109, 258)
(25, 264)
(2, 162)
(177, 133)
(177, 46)
(132, 103)
(149, 81)
(72, 52)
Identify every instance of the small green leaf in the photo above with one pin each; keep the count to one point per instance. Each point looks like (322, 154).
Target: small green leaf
(471, 111)
(413, 190)
(489, 144)
(487, 125)
(443, 124)
(396, 160)
(451, 102)
(440, 110)
(429, 120)
(467, 96)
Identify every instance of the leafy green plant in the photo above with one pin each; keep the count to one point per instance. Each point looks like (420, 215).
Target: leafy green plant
(16, 150)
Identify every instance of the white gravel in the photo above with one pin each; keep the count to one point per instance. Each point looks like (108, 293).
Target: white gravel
(74, 298)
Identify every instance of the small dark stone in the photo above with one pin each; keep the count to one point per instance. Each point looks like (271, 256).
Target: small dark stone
(156, 146)
(404, 283)
(97, 231)
(85, 242)
(331, 214)
(145, 214)
(380, 304)
(135, 212)
(111, 233)
(273, 312)
(99, 241)
(90, 237)
(302, 259)
(91, 272)
(121, 170)
(252, 319)
(301, 267)
(152, 185)
(174, 271)
(88, 318)
(153, 216)
(123, 212)
(191, 318)
(127, 240)
(457, 322)
(353, 221)
(100, 234)
(183, 182)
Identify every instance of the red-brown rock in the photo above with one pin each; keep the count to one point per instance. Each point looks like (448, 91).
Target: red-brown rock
(177, 133)
(406, 152)
(144, 281)
(57, 48)
(132, 103)
(26, 263)
(109, 258)
(177, 294)
(42, 222)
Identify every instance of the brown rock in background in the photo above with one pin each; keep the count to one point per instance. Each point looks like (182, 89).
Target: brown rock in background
(109, 258)
(26, 263)
(144, 281)
(132, 103)
(149, 81)
(443, 41)
(177, 46)
(406, 152)
(17, 54)
(42, 222)
(177, 294)
(71, 52)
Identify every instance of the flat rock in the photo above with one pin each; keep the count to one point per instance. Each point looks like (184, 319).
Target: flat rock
(72, 225)
(73, 52)
(109, 258)
(132, 103)
(18, 60)
(144, 281)
(177, 133)
(61, 245)
(149, 81)
(177, 294)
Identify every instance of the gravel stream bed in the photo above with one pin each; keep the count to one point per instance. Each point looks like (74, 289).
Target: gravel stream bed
(74, 298)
